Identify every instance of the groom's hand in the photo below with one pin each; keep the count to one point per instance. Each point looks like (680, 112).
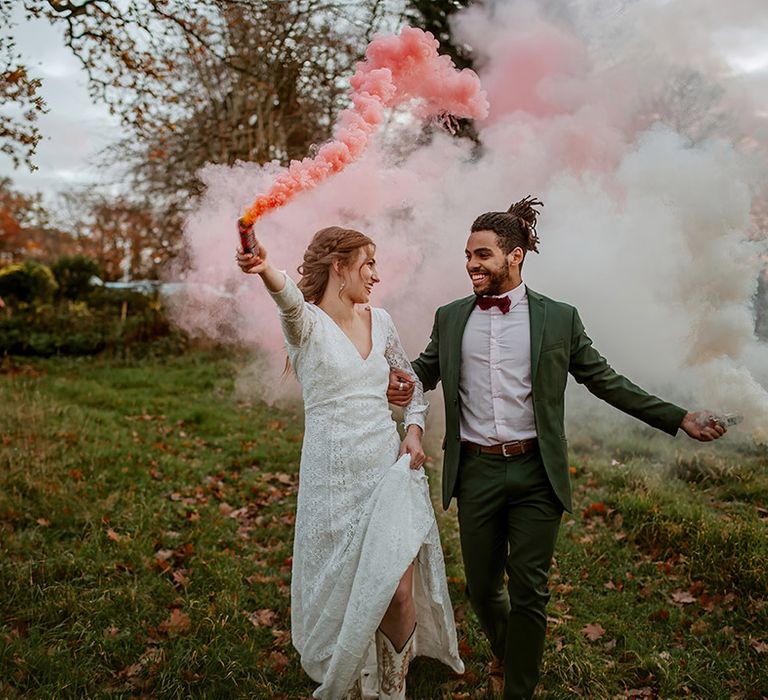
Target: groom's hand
(699, 426)
(400, 389)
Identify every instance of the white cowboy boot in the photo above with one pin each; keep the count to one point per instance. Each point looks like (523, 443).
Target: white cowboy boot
(392, 666)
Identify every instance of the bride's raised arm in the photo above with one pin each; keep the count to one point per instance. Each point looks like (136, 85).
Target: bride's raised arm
(296, 321)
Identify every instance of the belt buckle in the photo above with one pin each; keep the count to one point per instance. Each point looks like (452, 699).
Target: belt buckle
(511, 444)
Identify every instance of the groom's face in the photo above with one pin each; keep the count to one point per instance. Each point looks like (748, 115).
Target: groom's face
(489, 268)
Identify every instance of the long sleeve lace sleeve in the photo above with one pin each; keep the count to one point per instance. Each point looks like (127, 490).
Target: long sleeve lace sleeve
(416, 411)
(295, 319)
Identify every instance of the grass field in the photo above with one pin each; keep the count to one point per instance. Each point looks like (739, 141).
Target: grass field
(146, 520)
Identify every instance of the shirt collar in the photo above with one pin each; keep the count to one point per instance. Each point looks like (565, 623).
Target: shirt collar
(515, 295)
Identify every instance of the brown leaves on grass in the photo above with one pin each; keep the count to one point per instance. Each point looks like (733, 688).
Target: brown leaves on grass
(169, 561)
(593, 631)
(272, 488)
(262, 618)
(645, 692)
(278, 661)
(180, 578)
(696, 593)
(169, 438)
(465, 651)
(759, 646)
(282, 638)
(177, 624)
(267, 618)
(116, 536)
(682, 598)
(146, 417)
(141, 674)
(597, 515)
(594, 510)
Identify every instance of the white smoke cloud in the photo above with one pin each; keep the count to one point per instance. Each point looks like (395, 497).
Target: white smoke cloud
(649, 152)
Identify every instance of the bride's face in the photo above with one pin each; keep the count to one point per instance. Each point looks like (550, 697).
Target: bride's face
(361, 277)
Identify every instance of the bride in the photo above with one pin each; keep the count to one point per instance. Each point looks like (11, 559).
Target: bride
(368, 587)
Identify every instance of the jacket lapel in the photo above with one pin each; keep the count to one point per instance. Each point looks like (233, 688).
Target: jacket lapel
(460, 317)
(537, 312)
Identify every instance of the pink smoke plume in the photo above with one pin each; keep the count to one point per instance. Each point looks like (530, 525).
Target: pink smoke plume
(397, 69)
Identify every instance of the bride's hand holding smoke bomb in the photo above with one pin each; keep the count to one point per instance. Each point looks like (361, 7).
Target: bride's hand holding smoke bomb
(256, 263)
(251, 256)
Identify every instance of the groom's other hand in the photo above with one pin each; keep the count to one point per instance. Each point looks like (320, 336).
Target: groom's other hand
(701, 427)
(400, 389)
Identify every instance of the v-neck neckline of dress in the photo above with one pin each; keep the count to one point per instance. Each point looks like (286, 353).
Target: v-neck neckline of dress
(349, 340)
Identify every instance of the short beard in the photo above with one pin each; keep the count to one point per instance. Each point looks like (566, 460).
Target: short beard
(496, 282)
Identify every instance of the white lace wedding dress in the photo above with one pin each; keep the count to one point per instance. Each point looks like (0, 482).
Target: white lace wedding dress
(363, 516)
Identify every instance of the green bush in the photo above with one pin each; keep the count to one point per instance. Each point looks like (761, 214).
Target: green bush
(73, 274)
(27, 283)
(117, 321)
(105, 299)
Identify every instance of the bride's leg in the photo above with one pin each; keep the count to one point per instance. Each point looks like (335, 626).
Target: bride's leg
(395, 639)
(400, 619)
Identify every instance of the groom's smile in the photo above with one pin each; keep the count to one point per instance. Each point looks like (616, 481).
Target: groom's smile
(487, 265)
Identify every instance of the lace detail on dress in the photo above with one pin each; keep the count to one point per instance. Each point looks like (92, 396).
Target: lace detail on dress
(296, 320)
(416, 411)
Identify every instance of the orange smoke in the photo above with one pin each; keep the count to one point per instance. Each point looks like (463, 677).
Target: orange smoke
(396, 70)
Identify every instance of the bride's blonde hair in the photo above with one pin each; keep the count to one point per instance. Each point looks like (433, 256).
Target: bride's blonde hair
(328, 245)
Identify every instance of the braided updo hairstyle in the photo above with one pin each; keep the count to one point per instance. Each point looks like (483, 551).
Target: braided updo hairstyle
(514, 228)
(327, 245)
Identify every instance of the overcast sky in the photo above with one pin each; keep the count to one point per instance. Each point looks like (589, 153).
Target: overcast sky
(74, 129)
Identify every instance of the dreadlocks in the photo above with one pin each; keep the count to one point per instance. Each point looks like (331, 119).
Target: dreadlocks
(514, 228)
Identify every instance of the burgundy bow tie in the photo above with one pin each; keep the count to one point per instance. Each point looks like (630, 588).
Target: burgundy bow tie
(486, 303)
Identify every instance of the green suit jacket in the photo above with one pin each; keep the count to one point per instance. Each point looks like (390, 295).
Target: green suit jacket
(559, 346)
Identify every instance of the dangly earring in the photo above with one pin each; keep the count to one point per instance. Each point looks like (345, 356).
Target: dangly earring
(341, 288)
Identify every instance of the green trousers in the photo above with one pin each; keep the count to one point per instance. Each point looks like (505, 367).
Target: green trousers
(509, 518)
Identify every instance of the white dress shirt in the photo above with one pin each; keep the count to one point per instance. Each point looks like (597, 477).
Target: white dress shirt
(495, 378)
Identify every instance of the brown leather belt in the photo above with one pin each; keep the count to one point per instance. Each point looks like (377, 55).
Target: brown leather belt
(506, 449)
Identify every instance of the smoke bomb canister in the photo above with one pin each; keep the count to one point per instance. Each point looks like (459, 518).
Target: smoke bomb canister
(726, 419)
(247, 237)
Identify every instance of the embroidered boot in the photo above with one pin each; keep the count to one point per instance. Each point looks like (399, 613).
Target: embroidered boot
(392, 666)
(355, 692)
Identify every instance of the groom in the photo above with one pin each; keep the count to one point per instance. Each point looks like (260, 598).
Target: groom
(503, 355)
